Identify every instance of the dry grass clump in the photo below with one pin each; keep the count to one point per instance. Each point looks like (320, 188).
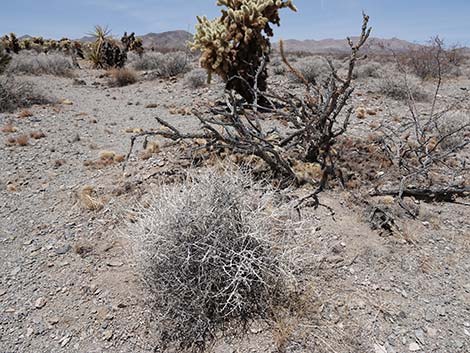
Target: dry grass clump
(401, 88)
(37, 135)
(21, 140)
(120, 77)
(196, 78)
(106, 158)
(163, 65)
(40, 64)
(8, 128)
(16, 94)
(89, 199)
(212, 254)
(25, 113)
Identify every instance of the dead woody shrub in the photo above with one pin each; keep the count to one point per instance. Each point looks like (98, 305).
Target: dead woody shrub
(314, 120)
(424, 150)
(213, 256)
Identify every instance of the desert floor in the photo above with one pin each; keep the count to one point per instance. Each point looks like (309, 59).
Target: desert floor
(68, 282)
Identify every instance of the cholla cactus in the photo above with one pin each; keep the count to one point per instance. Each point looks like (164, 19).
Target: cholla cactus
(4, 58)
(11, 43)
(25, 44)
(131, 43)
(105, 51)
(236, 43)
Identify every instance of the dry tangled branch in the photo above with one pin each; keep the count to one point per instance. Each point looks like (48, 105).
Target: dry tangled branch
(213, 255)
(424, 148)
(314, 121)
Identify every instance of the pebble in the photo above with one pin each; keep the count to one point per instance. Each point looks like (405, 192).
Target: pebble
(414, 347)
(107, 335)
(379, 349)
(432, 332)
(40, 303)
(115, 263)
(63, 249)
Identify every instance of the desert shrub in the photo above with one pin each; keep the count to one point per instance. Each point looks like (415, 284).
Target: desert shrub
(146, 62)
(163, 65)
(433, 60)
(278, 67)
(401, 88)
(30, 63)
(313, 69)
(121, 77)
(368, 70)
(450, 131)
(18, 94)
(174, 64)
(211, 252)
(196, 78)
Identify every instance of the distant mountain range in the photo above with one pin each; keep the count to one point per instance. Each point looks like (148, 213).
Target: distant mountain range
(177, 40)
(341, 45)
(171, 40)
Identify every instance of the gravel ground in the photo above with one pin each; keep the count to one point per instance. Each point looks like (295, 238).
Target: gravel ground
(67, 282)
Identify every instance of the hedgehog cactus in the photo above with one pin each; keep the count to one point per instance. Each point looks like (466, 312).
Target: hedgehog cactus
(235, 44)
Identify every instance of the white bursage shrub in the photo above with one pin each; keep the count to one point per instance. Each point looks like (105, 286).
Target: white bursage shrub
(196, 78)
(16, 93)
(163, 65)
(212, 254)
(30, 63)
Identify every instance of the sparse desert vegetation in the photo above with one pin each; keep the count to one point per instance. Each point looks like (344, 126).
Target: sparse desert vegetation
(306, 201)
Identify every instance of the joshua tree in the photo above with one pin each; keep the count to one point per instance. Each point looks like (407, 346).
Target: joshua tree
(236, 45)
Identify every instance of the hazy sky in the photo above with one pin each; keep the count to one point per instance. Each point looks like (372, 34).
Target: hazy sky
(414, 20)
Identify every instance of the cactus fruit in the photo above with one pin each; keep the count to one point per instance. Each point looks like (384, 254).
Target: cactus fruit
(233, 46)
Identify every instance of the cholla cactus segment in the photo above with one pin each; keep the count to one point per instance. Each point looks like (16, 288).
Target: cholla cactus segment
(243, 23)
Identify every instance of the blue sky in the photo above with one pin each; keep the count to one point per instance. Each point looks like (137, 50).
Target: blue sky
(414, 20)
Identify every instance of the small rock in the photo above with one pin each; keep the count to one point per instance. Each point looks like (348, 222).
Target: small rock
(466, 332)
(65, 341)
(63, 249)
(67, 102)
(432, 332)
(29, 332)
(379, 349)
(40, 303)
(414, 347)
(114, 263)
(107, 335)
